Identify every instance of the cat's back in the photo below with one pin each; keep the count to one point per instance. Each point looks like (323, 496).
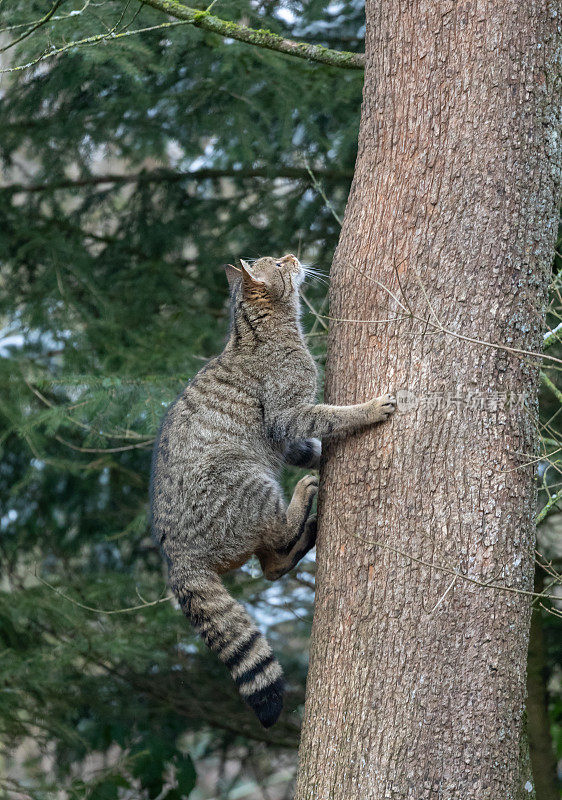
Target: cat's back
(213, 426)
(217, 416)
(219, 408)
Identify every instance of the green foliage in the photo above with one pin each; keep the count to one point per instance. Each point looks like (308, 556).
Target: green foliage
(112, 295)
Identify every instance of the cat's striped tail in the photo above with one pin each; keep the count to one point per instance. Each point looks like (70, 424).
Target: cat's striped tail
(228, 631)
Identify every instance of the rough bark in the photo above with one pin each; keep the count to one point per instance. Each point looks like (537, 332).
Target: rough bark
(416, 686)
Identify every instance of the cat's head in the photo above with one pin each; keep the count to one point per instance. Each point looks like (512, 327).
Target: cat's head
(268, 279)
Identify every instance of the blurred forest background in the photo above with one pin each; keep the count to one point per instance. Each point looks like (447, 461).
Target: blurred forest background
(133, 167)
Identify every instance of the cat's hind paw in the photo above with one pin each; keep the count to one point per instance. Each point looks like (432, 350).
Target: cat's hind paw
(307, 487)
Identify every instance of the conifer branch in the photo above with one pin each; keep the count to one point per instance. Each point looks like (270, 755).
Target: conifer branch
(110, 35)
(175, 176)
(259, 37)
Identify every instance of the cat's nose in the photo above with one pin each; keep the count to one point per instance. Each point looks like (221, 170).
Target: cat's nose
(291, 260)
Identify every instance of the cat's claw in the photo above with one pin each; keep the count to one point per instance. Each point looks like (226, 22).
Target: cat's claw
(308, 484)
(383, 407)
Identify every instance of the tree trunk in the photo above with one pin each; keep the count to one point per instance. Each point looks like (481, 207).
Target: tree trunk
(416, 686)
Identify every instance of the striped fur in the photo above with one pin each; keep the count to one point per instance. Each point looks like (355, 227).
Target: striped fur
(215, 492)
(228, 631)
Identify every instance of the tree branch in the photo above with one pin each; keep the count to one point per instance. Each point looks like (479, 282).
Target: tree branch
(259, 38)
(174, 176)
(552, 336)
(33, 27)
(543, 513)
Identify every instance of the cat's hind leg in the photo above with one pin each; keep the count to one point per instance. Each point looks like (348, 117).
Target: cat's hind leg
(277, 563)
(286, 540)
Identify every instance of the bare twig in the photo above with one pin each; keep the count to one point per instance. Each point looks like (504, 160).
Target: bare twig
(450, 571)
(184, 15)
(440, 328)
(136, 446)
(444, 595)
(322, 194)
(110, 35)
(34, 27)
(313, 310)
(103, 610)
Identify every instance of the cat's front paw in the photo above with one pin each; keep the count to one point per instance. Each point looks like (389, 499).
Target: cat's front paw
(382, 407)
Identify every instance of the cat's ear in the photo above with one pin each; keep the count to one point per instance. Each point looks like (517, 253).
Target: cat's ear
(249, 280)
(233, 274)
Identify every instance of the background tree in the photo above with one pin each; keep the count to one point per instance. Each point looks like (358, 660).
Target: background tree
(136, 164)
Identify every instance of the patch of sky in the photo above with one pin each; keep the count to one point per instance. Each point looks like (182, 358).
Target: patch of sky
(11, 339)
(286, 15)
(108, 555)
(298, 135)
(9, 517)
(187, 647)
(274, 609)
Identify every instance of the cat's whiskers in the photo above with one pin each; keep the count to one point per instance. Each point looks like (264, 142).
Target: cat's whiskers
(324, 283)
(316, 275)
(309, 270)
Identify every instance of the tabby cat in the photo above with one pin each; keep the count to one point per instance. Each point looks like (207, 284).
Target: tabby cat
(215, 492)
